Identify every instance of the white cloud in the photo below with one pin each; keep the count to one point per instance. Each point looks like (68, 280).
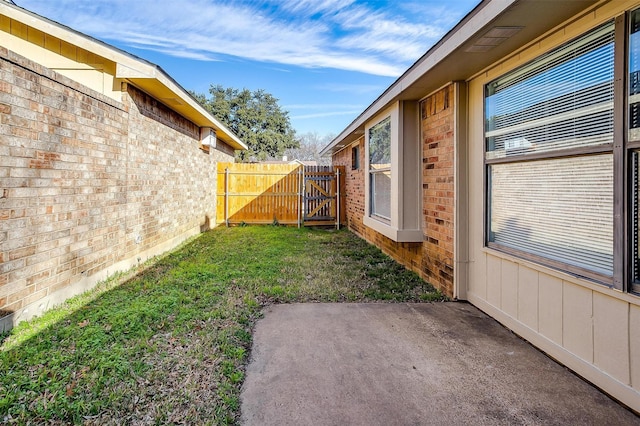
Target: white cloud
(340, 34)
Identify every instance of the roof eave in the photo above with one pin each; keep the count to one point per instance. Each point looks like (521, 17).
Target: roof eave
(147, 76)
(447, 54)
(443, 48)
(153, 80)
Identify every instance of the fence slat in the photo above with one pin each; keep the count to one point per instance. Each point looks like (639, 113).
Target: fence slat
(258, 193)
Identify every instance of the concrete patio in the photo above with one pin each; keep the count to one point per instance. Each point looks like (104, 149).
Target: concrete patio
(409, 364)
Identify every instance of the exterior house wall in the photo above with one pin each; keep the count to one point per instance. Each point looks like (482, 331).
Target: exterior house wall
(592, 329)
(89, 185)
(408, 254)
(437, 126)
(432, 258)
(61, 56)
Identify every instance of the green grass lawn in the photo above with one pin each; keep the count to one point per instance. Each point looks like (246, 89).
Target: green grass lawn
(170, 344)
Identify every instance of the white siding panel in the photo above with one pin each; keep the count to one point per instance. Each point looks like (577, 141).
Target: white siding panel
(509, 291)
(611, 336)
(528, 297)
(634, 350)
(577, 320)
(494, 280)
(550, 307)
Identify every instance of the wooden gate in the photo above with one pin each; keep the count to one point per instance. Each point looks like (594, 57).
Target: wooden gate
(321, 202)
(283, 194)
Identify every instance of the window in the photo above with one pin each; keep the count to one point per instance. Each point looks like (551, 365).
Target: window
(393, 182)
(380, 169)
(549, 156)
(635, 219)
(633, 146)
(562, 156)
(355, 158)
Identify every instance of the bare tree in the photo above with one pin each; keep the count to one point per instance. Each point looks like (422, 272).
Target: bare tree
(311, 144)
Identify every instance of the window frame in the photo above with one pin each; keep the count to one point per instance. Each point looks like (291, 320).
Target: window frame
(380, 223)
(627, 149)
(621, 149)
(405, 223)
(355, 157)
(372, 173)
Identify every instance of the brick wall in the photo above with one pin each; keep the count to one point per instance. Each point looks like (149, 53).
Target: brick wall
(88, 185)
(433, 258)
(437, 124)
(170, 181)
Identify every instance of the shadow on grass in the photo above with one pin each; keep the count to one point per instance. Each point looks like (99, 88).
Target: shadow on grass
(170, 343)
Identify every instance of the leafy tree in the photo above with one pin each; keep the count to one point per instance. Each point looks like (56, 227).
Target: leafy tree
(311, 144)
(255, 117)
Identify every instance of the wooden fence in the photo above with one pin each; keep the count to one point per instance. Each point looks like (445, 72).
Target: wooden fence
(279, 193)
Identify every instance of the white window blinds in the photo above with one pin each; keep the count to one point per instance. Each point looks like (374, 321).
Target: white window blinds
(561, 209)
(561, 100)
(556, 206)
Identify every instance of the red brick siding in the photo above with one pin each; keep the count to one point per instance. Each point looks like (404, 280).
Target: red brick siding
(433, 258)
(437, 124)
(86, 182)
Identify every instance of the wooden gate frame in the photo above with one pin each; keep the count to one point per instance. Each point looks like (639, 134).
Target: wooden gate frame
(322, 185)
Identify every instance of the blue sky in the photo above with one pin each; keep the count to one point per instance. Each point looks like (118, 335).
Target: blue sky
(326, 60)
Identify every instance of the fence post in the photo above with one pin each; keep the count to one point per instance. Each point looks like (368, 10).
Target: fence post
(300, 194)
(226, 196)
(337, 198)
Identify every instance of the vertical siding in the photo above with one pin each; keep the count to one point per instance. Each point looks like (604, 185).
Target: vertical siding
(494, 281)
(634, 345)
(509, 293)
(577, 329)
(528, 290)
(611, 330)
(550, 303)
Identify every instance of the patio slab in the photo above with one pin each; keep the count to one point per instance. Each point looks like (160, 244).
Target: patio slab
(408, 364)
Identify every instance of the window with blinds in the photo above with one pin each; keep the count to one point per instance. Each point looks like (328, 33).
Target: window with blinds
(560, 209)
(561, 100)
(549, 156)
(635, 216)
(634, 143)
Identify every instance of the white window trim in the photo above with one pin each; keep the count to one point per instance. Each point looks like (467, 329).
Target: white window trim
(405, 225)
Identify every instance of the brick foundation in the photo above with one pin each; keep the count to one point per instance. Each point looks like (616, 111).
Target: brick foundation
(88, 185)
(433, 258)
